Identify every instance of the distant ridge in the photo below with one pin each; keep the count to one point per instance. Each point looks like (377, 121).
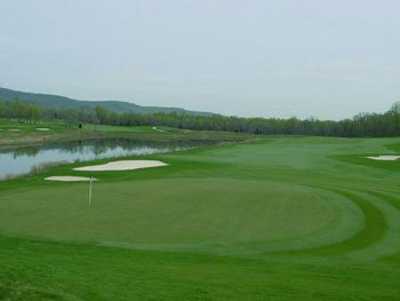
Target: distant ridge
(62, 102)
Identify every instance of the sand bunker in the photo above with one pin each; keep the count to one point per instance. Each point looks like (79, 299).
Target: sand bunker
(43, 129)
(123, 165)
(69, 179)
(157, 129)
(385, 158)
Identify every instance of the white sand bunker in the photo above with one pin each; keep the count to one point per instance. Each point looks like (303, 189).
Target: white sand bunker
(43, 129)
(69, 179)
(385, 158)
(123, 165)
(157, 129)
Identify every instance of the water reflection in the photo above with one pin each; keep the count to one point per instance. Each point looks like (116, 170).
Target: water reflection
(23, 160)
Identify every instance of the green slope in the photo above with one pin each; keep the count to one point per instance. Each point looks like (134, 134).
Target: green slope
(61, 102)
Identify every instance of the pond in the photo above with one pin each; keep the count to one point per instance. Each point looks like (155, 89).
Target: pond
(23, 160)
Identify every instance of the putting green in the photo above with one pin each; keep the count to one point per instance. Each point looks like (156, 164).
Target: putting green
(208, 215)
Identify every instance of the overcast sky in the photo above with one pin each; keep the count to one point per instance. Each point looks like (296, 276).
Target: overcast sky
(329, 59)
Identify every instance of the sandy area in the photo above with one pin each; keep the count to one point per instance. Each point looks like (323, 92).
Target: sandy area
(385, 158)
(157, 129)
(69, 179)
(122, 165)
(43, 129)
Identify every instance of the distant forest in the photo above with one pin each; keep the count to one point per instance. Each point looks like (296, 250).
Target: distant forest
(362, 125)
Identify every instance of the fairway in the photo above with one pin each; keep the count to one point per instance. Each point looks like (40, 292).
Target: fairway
(273, 219)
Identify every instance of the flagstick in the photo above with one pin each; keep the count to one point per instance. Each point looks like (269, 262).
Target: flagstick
(90, 192)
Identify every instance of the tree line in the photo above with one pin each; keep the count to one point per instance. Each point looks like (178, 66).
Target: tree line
(362, 125)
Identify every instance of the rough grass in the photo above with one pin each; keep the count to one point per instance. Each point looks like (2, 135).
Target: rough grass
(281, 219)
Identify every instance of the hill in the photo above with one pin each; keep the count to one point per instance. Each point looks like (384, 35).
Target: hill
(62, 102)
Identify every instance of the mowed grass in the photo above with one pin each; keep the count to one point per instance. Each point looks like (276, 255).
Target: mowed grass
(285, 218)
(170, 213)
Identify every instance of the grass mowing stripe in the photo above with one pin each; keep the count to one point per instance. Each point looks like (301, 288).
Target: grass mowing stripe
(395, 202)
(94, 273)
(372, 232)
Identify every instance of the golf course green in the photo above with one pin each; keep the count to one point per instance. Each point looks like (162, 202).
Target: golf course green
(273, 218)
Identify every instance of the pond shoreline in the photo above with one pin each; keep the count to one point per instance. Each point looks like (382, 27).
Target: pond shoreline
(32, 159)
(197, 137)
